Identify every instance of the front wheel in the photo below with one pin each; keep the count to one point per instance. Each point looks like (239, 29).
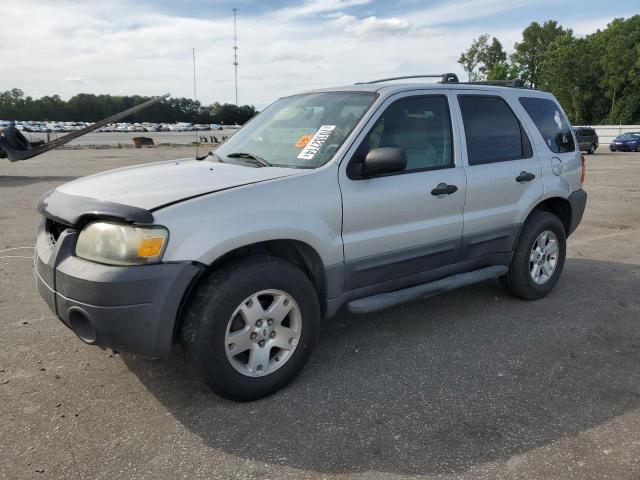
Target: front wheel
(539, 257)
(250, 327)
(592, 149)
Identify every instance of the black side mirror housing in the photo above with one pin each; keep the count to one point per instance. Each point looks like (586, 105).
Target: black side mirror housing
(385, 160)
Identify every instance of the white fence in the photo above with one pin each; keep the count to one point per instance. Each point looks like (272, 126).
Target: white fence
(606, 133)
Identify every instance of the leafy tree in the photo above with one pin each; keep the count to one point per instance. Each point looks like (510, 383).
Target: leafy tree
(471, 59)
(89, 108)
(535, 43)
(491, 56)
(596, 78)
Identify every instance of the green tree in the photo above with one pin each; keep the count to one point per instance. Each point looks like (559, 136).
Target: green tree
(491, 56)
(533, 48)
(471, 59)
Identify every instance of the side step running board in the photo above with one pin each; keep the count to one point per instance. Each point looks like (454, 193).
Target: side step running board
(390, 299)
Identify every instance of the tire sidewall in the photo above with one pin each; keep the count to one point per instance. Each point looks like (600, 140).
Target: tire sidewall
(231, 287)
(539, 222)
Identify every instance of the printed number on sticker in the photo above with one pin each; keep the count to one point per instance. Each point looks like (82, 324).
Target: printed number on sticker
(318, 139)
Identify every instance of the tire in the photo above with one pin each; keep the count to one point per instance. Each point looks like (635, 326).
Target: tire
(520, 279)
(592, 149)
(209, 328)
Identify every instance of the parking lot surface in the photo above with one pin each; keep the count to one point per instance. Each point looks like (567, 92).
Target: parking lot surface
(470, 384)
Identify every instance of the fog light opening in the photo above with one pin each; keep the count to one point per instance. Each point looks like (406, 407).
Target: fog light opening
(82, 326)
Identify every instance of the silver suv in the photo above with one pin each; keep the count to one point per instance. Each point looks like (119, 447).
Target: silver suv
(361, 197)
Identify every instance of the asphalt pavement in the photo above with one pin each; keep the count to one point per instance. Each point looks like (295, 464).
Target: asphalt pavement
(470, 384)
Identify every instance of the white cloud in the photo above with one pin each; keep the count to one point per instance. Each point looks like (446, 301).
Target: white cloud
(377, 26)
(73, 79)
(123, 48)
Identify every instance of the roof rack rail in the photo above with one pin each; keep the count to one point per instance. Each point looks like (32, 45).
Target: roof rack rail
(518, 83)
(444, 78)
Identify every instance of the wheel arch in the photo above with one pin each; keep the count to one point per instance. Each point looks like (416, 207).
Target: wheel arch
(296, 252)
(558, 206)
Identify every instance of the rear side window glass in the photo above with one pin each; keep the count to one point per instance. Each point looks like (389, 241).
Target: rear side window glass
(493, 132)
(551, 123)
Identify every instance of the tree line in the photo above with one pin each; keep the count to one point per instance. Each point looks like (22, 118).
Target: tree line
(86, 107)
(596, 78)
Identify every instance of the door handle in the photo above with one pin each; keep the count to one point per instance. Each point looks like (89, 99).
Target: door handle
(444, 189)
(525, 177)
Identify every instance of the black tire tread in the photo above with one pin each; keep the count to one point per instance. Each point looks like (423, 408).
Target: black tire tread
(199, 327)
(518, 280)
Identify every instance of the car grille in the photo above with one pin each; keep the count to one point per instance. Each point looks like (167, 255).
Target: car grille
(54, 229)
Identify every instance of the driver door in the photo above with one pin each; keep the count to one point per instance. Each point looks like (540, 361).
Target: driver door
(393, 225)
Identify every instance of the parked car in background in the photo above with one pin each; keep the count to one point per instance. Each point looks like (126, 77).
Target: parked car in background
(587, 139)
(627, 142)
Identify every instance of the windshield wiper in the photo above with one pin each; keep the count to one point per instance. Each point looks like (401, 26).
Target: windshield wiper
(211, 154)
(250, 156)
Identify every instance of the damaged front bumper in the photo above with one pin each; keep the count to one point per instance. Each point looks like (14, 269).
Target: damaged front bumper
(132, 309)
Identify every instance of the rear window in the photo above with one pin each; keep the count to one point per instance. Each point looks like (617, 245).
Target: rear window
(493, 132)
(551, 123)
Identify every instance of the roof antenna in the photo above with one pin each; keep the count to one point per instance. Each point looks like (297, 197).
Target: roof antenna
(195, 129)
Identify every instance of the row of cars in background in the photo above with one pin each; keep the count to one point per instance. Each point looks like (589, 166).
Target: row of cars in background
(588, 141)
(63, 127)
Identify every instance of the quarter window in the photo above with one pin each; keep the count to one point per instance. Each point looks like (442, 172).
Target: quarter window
(421, 126)
(551, 123)
(493, 132)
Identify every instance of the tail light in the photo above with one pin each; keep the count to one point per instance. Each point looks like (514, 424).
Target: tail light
(584, 169)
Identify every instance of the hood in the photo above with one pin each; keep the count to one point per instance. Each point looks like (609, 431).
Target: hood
(154, 185)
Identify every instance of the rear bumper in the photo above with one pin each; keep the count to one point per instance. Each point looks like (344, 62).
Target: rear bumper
(578, 202)
(130, 309)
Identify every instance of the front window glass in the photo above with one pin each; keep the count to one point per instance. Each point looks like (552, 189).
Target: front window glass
(302, 131)
(421, 126)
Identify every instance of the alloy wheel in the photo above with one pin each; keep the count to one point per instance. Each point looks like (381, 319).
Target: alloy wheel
(263, 333)
(544, 257)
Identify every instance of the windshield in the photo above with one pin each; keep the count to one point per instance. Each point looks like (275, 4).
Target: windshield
(630, 136)
(303, 131)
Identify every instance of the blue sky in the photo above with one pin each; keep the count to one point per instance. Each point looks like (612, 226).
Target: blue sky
(144, 47)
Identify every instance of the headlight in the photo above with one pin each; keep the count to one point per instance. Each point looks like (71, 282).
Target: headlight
(118, 244)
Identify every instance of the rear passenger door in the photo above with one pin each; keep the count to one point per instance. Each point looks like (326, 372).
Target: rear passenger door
(504, 177)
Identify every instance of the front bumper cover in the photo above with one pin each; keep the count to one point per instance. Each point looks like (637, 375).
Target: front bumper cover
(131, 309)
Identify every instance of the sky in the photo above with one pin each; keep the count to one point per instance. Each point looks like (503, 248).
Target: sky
(144, 47)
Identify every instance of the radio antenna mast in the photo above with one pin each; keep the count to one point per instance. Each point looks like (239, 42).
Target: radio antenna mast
(235, 51)
(195, 98)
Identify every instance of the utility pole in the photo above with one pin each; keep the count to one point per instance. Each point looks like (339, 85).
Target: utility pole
(235, 51)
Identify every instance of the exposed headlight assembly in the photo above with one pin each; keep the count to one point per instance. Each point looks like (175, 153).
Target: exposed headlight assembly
(120, 244)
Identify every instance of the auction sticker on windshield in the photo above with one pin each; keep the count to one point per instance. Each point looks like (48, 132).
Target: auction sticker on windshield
(318, 139)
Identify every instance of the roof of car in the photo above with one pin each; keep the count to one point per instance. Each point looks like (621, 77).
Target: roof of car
(389, 88)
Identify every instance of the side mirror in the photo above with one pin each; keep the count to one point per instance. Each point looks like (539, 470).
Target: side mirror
(380, 161)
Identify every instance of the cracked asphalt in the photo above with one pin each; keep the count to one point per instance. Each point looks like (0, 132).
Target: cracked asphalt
(470, 384)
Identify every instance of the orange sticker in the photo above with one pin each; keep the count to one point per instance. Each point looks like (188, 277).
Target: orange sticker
(303, 140)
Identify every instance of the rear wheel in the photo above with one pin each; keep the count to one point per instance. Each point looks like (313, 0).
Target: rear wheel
(539, 257)
(250, 327)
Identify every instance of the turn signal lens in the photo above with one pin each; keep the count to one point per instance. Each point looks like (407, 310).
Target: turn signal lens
(150, 247)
